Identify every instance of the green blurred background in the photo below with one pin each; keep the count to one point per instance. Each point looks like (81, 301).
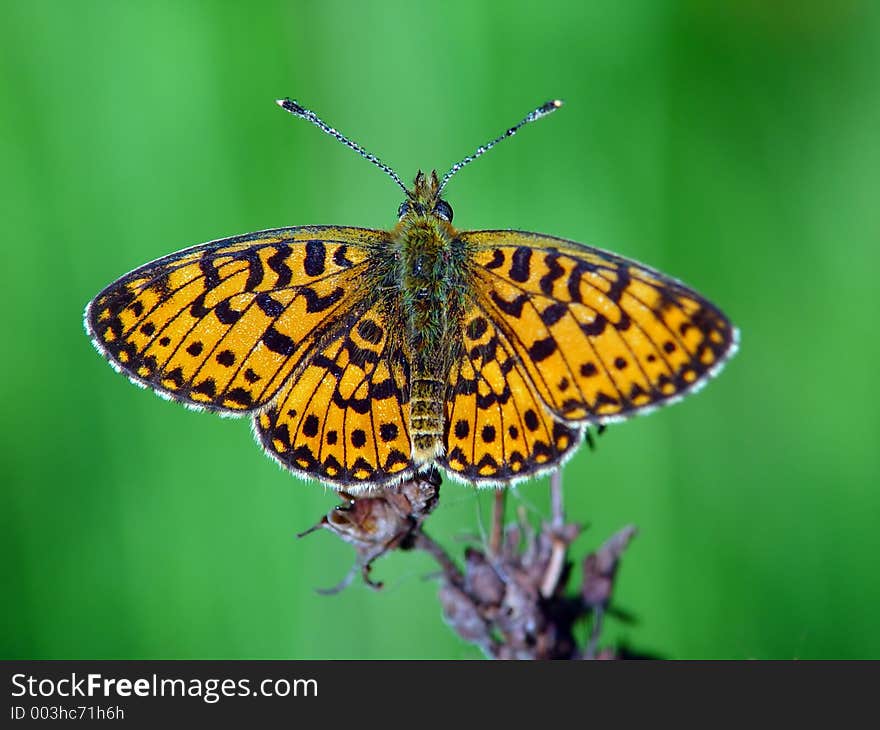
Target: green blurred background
(733, 144)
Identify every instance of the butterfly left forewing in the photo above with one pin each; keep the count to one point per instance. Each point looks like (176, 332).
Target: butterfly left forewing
(222, 325)
(601, 337)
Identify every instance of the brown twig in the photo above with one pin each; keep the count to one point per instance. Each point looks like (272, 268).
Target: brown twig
(498, 503)
(450, 570)
(510, 600)
(556, 505)
(557, 524)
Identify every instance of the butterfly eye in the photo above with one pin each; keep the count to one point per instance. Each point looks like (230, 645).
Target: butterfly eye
(443, 210)
(403, 209)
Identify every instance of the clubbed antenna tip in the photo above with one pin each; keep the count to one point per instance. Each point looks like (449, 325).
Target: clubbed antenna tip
(289, 105)
(542, 111)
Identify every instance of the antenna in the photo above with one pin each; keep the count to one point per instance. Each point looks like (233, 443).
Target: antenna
(541, 111)
(289, 105)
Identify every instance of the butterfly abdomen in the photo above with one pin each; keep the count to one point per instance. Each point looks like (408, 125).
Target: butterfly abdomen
(426, 417)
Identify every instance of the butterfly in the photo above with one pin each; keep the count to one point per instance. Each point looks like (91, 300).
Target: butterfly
(366, 356)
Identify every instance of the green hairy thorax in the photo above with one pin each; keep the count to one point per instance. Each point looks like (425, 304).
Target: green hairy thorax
(431, 275)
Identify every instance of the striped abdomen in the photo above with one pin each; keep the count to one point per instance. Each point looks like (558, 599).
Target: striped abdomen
(426, 417)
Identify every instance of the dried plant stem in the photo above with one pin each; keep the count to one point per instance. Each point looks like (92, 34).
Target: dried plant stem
(595, 632)
(451, 572)
(560, 546)
(495, 537)
(557, 509)
(510, 598)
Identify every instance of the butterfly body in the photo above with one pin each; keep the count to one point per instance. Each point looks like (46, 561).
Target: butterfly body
(431, 285)
(363, 356)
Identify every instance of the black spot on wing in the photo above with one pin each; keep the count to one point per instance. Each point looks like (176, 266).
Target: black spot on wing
(574, 280)
(520, 264)
(340, 259)
(207, 387)
(310, 426)
(487, 460)
(476, 328)
(554, 272)
(316, 303)
(589, 369)
(552, 314)
(603, 399)
(225, 313)
(195, 348)
(394, 458)
(255, 268)
(278, 263)
(240, 396)
(388, 431)
(596, 327)
(486, 352)
(490, 399)
(332, 466)
(316, 255)
(209, 271)
(514, 308)
(251, 376)
(497, 259)
(277, 342)
(269, 306)
(281, 433)
(370, 331)
(322, 361)
(383, 390)
(175, 376)
(365, 468)
(542, 349)
(197, 308)
(623, 280)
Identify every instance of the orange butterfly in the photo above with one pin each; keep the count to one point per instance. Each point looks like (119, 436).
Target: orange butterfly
(364, 356)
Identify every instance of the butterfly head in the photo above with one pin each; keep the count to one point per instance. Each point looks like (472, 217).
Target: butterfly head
(424, 199)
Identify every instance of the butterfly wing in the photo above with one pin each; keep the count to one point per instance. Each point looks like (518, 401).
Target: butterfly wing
(497, 428)
(600, 337)
(344, 420)
(224, 324)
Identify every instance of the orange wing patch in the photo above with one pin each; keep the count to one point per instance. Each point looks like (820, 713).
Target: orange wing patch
(497, 428)
(224, 324)
(600, 337)
(345, 419)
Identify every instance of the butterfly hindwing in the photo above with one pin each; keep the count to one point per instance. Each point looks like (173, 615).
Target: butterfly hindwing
(601, 337)
(344, 420)
(222, 325)
(497, 427)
